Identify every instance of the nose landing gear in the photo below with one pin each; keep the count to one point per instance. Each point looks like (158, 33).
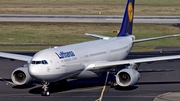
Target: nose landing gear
(45, 91)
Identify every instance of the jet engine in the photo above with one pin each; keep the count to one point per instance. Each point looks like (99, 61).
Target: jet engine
(21, 76)
(127, 77)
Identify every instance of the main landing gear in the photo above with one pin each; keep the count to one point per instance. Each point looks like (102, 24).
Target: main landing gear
(113, 84)
(45, 91)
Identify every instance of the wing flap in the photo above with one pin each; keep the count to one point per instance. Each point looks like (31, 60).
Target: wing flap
(94, 66)
(16, 56)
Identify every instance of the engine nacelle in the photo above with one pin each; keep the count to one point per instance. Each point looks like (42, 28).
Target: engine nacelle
(127, 77)
(21, 76)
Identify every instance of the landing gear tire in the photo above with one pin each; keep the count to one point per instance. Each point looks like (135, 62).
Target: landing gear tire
(45, 91)
(112, 84)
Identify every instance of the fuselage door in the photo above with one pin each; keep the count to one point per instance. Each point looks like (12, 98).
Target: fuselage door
(56, 61)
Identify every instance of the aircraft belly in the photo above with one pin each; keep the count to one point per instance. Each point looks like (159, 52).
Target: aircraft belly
(57, 77)
(87, 74)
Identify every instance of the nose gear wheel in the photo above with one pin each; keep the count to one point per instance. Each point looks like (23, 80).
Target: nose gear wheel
(45, 91)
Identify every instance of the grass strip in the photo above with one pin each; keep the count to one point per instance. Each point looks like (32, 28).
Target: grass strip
(88, 7)
(70, 33)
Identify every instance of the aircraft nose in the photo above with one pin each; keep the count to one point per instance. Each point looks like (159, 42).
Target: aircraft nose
(32, 70)
(35, 71)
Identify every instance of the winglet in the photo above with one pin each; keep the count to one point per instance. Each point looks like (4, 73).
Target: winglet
(127, 23)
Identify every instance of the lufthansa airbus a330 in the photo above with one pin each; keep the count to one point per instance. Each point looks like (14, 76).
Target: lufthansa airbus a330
(86, 60)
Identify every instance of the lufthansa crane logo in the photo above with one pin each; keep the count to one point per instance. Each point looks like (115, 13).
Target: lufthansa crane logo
(130, 12)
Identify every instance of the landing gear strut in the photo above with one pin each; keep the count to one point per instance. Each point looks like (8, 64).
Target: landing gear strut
(45, 91)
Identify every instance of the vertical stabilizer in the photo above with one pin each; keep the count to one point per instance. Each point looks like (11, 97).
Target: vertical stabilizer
(127, 23)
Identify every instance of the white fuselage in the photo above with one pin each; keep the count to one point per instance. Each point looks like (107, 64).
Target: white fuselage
(70, 61)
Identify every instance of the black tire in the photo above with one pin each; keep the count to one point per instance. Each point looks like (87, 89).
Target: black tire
(112, 84)
(45, 93)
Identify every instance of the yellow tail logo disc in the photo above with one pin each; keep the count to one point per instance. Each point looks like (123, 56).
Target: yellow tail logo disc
(130, 12)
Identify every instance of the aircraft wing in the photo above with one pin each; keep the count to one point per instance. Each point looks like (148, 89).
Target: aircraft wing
(97, 36)
(104, 65)
(155, 38)
(16, 56)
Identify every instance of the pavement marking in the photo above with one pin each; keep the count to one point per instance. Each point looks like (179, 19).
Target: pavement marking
(169, 96)
(104, 87)
(7, 82)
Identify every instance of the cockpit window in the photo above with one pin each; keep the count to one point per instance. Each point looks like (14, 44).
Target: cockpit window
(44, 62)
(39, 62)
(33, 62)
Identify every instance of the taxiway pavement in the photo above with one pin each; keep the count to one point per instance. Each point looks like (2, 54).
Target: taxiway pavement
(87, 18)
(156, 79)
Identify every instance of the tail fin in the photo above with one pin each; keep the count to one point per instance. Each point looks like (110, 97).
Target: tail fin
(127, 24)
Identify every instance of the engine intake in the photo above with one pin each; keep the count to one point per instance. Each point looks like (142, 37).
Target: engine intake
(127, 77)
(21, 76)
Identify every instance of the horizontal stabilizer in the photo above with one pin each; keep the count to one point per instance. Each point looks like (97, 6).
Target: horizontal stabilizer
(98, 36)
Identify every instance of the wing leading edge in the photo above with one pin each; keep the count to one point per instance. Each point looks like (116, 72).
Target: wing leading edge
(16, 56)
(104, 65)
